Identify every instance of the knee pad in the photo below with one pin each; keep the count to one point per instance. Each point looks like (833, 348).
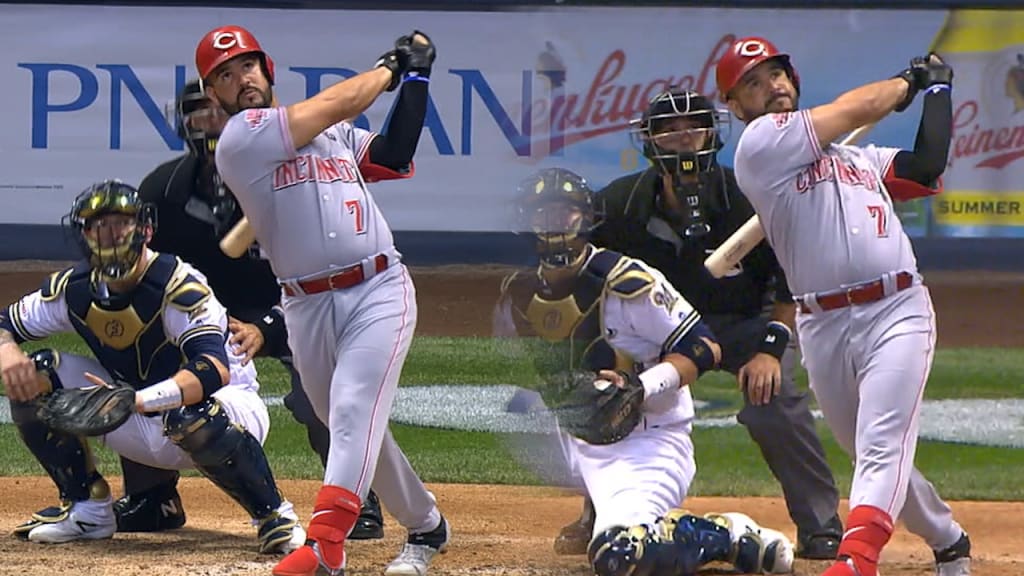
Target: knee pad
(695, 541)
(622, 551)
(226, 454)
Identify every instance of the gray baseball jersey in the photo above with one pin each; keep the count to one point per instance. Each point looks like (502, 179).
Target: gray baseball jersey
(829, 217)
(309, 207)
(829, 206)
(311, 212)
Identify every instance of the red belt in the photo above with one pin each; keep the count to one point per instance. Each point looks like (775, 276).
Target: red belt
(859, 294)
(344, 278)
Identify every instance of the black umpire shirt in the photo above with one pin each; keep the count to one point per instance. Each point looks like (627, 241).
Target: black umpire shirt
(633, 224)
(246, 286)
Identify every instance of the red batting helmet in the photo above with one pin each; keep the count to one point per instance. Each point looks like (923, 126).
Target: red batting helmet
(226, 42)
(742, 56)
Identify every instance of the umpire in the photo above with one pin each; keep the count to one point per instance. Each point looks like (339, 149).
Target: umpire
(672, 215)
(195, 211)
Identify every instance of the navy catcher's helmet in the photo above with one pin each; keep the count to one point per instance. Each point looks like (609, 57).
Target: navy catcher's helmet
(557, 206)
(680, 146)
(113, 256)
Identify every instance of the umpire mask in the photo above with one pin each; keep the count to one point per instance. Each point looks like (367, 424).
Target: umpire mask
(198, 121)
(680, 134)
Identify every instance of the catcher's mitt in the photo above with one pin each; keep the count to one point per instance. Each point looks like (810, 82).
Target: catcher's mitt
(89, 411)
(602, 413)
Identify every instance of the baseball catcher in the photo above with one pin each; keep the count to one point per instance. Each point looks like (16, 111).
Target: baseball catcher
(158, 390)
(616, 347)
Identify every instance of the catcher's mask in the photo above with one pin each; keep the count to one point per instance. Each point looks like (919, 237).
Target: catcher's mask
(557, 206)
(111, 225)
(680, 132)
(197, 120)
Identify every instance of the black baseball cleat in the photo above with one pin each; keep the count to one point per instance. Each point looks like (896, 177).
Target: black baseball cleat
(822, 544)
(955, 560)
(154, 510)
(370, 524)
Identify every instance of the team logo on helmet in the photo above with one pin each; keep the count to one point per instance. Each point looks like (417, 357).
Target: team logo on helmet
(228, 39)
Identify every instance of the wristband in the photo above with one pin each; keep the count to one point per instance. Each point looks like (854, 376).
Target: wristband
(659, 379)
(161, 396)
(776, 338)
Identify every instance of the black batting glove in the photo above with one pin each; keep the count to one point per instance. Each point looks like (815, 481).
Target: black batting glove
(420, 56)
(938, 71)
(915, 75)
(395, 61)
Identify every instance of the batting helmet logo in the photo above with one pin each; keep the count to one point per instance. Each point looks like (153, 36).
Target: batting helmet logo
(742, 57)
(227, 39)
(751, 48)
(226, 42)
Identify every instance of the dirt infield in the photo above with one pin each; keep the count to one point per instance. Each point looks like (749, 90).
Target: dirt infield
(497, 530)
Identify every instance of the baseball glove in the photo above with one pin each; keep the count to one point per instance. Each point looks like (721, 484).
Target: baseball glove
(89, 411)
(602, 413)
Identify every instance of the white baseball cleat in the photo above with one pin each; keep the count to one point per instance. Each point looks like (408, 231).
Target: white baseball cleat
(281, 532)
(86, 520)
(419, 550)
(757, 548)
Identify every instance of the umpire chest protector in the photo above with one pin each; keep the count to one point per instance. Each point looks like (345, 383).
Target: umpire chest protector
(126, 332)
(573, 320)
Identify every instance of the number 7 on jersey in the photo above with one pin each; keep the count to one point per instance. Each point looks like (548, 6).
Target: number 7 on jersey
(881, 219)
(355, 208)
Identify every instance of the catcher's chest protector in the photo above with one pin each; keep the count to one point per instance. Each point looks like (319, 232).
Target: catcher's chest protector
(126, 335)
(570, 323)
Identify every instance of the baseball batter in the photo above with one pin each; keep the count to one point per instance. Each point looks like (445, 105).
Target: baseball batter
(866, 323)
(299, 173)
(588, 310)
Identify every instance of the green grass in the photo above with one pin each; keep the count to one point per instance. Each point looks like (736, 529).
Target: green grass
(729, 463)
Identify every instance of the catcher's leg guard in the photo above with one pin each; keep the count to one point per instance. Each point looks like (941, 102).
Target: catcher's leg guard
(226, 454)
(689, 542)
(66, 458)
(151, 502)
(622, 551)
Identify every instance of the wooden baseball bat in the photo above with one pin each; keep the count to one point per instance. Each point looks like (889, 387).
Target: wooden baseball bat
(238, 239)
(743, 240)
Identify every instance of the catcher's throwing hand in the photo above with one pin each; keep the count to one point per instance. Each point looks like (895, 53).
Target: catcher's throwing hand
(760, 378)
(246, 339)
(19, 373)
(90, 411)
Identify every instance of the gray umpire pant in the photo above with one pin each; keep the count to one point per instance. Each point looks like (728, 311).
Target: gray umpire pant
(783, 429)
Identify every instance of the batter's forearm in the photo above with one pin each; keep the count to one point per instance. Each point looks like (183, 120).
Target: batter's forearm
(931, 148)
(7, 338)
(395, 148)
(344, 100)
(859, 107)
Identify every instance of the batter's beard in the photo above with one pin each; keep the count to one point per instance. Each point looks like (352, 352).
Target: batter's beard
(267, 96)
